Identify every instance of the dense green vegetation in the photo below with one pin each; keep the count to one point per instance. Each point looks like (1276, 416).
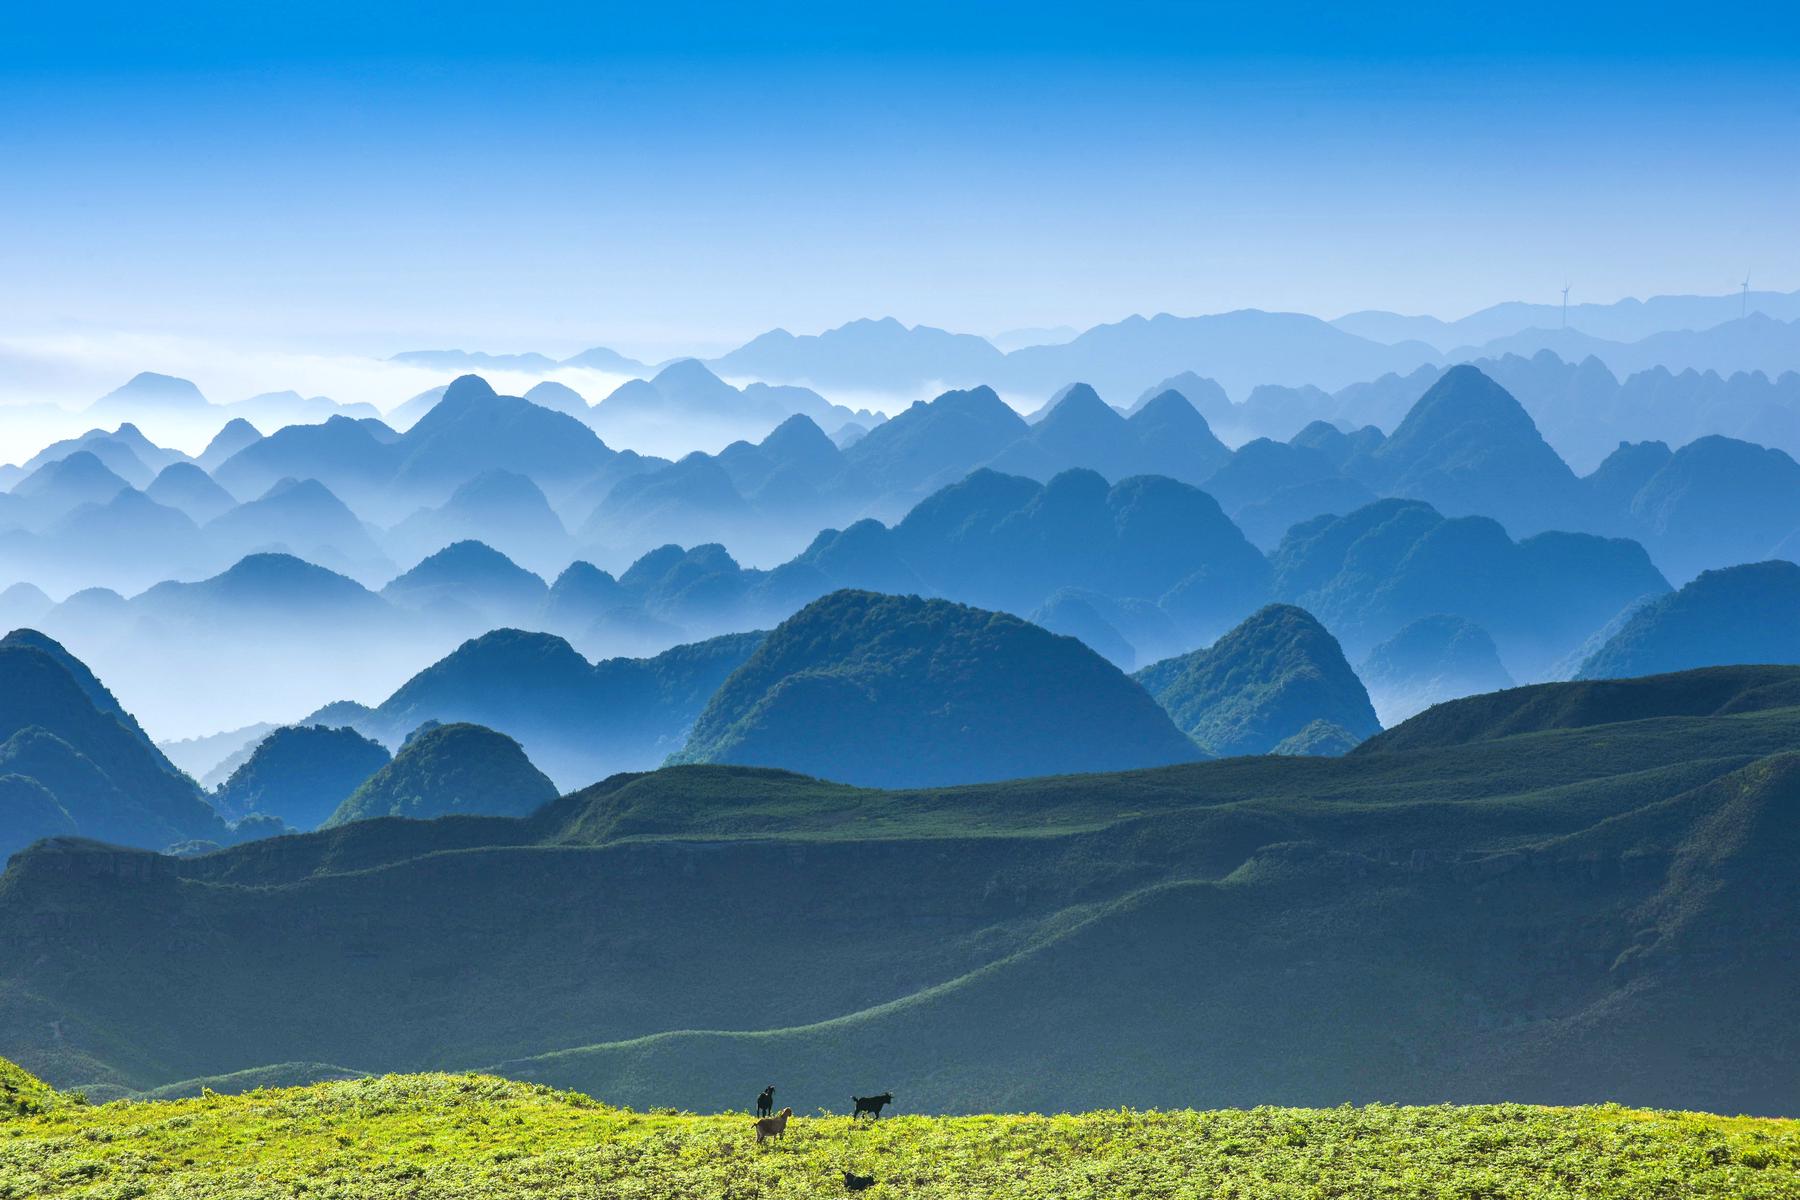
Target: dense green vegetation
(898, 691)
(23, 1094)
(94, 770)
(445, 769)
(1267, 681)
(478, 1136)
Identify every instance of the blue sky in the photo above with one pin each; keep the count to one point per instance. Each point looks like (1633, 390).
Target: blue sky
(375, 177)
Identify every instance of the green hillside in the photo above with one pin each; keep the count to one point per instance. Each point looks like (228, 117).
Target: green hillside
(22, 1093)
(301, 774)
(1505, 912)
(473, 1135)
(1264, 685)
(899, 691)
(445, 769)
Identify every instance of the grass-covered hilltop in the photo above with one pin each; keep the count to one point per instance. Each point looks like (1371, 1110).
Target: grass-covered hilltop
(481, 1136)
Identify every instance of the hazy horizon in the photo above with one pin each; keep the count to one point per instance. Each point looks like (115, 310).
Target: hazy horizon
(346, 181)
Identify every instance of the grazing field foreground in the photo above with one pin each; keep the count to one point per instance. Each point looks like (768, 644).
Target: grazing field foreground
(480, 1136)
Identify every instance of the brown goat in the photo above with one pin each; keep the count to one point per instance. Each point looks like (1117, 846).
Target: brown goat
(773, 1127)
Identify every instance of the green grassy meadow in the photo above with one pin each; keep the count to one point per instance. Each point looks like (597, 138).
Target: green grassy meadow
(481, 1136)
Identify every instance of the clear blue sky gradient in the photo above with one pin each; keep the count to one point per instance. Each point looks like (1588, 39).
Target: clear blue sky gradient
(381, 176)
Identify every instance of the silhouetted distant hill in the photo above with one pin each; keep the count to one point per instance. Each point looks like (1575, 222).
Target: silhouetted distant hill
(1623, 320)
(386, 475)
(1239, 349)
(1271, 679)
(23, 604)
(59, 488)
(126, 452)
(187, 487)
(795, 455)
(599, 358)
(148, 392)
(1755, 342)
(1080, 430)
(686, 391)
(558, 397)
(301, 774)
(1467, 447)
(1175, 439)
(211, 758)
(472, 430)
(1716, 502)
(1434, 659)
(1205, 395)
(470, 580)
(129, 541)
(1261, 469)
(864, 355)
(1008, 543)
(451, 769)
(268, 588)
(301, 517)
(1743, 614)
(578, 721)
(236, 434)
(1072, 614)
(692, 494)
(899, 690)
(351, 458)
(935, 442)
(503, 509)
(1370, 573)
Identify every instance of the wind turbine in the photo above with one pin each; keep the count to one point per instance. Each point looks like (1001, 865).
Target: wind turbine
(1744, 297)
(1565, 306)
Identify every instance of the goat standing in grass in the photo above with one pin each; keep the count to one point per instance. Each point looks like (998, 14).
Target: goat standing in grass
(773, 1127)
(765, 1103)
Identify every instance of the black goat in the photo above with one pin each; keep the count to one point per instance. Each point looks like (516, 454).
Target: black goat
(858, 1183)
(871, 1105)
(765, 1103)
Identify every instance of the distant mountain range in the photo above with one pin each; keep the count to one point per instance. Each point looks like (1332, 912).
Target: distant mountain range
(1243, 349)
(176, 403)
(1622, 321)
(485, 503)
(578, 721)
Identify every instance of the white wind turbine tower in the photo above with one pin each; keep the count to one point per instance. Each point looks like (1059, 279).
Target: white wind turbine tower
(1744, 297)
(1565, 324)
